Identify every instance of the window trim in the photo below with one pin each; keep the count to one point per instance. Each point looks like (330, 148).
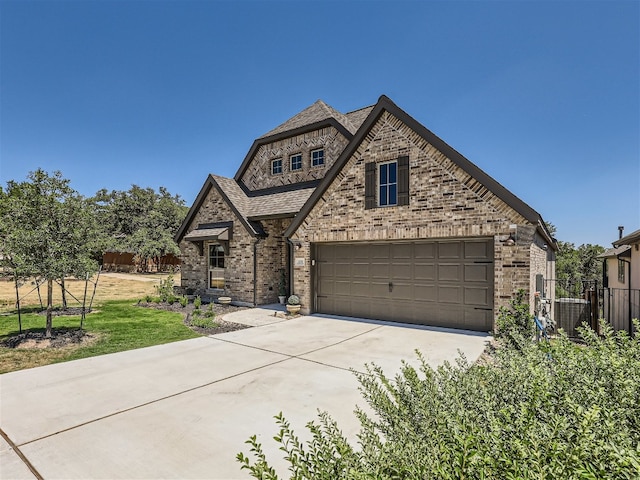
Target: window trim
(273, 164)
(291, 157)
(221, 254)
(388, 185)
(371, 183)
(312, 159)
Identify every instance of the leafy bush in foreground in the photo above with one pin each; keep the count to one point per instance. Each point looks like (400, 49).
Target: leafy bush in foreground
(558, 411)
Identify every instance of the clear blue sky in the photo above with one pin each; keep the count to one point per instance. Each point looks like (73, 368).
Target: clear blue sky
(542, 95)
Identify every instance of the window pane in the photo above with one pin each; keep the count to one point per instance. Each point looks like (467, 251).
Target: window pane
(393, 196)
(383, 174)
(383, 195)
(392, 172)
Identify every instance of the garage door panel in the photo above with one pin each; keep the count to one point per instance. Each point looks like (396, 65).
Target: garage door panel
(478, 250)
(379, 252)
(342, 270)
(450, 294)
(478, 272)
(444, 283)
(425, 293)
(449, 272)
(401, 271)
(402, 251)
(424, 271)
(424, 250)
(402, 291)
(450, 250)
(477, 296)
(360, 270)
(379, 270)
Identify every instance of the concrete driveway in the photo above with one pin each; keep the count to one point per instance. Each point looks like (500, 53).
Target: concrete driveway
(185, 409)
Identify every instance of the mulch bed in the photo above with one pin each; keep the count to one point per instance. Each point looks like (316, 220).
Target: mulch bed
(60, 337)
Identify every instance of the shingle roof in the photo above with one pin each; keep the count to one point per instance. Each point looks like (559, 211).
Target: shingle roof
(357, 117)
(633, 237)
(317, 112)
(614, 252)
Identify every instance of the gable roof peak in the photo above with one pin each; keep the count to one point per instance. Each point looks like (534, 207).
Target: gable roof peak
(314, 113)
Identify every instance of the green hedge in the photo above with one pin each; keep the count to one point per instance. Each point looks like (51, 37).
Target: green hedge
(555, 410)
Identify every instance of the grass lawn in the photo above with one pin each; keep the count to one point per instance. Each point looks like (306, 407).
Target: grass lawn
(117, 325)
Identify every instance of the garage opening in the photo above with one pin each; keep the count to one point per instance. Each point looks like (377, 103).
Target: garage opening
(445, 283)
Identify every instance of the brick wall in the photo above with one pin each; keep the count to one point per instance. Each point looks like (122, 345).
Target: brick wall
(445, 202)
(258, 175)
(272, 257)
(239, 263)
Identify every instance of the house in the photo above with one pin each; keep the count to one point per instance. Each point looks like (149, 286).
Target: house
(622, 262)
(621, 280)
(370, 215)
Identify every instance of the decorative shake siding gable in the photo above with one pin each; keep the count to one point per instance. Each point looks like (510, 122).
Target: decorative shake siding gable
(258, 174)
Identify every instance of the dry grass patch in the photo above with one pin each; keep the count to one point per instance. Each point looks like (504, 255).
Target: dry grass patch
(110, 287)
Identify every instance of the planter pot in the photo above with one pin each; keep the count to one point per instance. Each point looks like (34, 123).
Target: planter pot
(293, 308)
(281, 299)
(224, 300)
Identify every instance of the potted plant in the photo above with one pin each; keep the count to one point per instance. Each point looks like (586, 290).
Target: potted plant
(282, 287)
(293, 304)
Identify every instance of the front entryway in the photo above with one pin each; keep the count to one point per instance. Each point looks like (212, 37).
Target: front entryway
(444, 283)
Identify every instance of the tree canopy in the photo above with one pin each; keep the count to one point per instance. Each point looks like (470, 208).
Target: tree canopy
(140, 221)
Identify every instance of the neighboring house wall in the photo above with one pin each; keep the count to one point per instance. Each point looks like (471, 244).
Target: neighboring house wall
(258, 174)
(635, 266)
(611, 264)
(239, 262)
(445, 202)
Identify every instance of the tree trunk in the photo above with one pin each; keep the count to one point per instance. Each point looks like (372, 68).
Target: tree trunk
(49, 307)
(64, 294)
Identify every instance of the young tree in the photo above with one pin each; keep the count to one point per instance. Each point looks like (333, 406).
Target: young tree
(47, 229)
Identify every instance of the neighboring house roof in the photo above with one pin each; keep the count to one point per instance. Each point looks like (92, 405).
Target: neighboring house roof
(615, 252)
(633, 237)
(385, 104)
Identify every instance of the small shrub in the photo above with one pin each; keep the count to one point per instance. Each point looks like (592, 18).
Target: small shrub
(157, 300)
(197, 302)
(203, 321)
(183, 301)
(165, 289)
(293, 300)
(148, 298)
(515, 324)
(553, 410)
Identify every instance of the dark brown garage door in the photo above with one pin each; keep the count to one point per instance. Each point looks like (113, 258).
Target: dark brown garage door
(445, 283)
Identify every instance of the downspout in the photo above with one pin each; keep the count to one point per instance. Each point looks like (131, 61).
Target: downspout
(255, 271)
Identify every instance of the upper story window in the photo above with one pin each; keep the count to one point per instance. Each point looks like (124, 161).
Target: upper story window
(276, 166)
(621, 269)
(317, 157)
(388, 184)
(296, 162)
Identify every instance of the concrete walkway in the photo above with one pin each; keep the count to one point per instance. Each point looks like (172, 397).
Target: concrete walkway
(185, 409)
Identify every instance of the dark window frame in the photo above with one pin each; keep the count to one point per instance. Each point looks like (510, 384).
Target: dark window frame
(371, 184)
(387, 187)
